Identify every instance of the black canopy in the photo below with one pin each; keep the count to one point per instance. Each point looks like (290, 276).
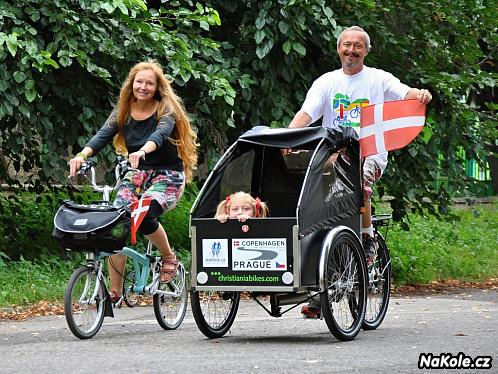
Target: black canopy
(306, 138)
(304, 184)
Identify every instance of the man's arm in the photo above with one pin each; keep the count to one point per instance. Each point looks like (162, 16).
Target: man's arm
(301, 119)
(422, 95)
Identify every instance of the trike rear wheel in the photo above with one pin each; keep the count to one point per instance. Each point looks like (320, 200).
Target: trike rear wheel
(84, 302)
(379, 285)
(343, 303)
(214, 312)
(170, 308)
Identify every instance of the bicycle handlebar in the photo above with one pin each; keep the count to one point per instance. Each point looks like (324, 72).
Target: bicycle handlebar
(122, 167)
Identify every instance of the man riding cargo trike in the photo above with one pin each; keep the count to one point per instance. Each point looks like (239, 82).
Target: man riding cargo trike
(307, 249)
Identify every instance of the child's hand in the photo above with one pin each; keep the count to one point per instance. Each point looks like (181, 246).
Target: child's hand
(243, 217)
(222, 218)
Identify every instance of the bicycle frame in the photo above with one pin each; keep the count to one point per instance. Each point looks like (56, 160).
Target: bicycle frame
(142, 264)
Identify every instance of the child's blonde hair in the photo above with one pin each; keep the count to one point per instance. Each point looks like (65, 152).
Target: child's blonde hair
(259, 208)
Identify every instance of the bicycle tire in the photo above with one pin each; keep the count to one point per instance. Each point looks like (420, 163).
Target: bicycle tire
(379, 286)
(84, 302)
(214, 312)
(170, 310)
(344, 302)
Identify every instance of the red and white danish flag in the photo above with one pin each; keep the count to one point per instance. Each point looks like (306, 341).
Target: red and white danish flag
(139, 210)
(389, 126)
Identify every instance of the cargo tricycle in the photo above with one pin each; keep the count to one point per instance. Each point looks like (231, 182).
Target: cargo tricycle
(309, 248)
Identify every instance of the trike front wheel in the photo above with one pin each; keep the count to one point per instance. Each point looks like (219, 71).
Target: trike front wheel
(84, 302)
(344, 300)
(170, 303)
(214, 312)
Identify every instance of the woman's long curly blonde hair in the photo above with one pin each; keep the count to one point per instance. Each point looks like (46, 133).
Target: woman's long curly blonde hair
(169, 104)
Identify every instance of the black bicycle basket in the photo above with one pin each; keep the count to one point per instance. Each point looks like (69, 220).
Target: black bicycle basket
(91, 227)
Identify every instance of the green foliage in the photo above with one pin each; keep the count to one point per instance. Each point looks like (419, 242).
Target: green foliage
(26, 224)
(241, 63)
(64, 61)
(448, 48)
(462, 248)
(26, 282)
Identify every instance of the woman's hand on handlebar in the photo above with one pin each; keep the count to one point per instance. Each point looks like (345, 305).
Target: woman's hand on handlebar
(75, 165)
(135, 157)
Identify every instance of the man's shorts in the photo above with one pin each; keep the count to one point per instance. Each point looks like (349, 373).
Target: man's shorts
(371, 174)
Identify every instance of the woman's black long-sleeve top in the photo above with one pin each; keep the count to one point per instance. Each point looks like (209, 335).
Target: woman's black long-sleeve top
(136, 134)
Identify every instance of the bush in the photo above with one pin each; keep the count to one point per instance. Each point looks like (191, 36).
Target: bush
(26, 224)
(29, 281)
(463, 248)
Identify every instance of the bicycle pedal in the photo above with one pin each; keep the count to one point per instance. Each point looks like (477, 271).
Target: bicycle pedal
(311, 316)
(118, 303)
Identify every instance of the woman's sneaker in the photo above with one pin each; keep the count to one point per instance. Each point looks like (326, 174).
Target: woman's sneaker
(370, 246)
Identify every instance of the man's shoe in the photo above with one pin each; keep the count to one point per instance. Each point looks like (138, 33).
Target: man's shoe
(370, 246)
(311, 311)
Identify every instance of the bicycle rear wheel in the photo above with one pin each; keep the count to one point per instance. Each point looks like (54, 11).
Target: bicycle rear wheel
(170, 309)
(379, 286)
(84, 302)
(214, 312)
(343, 303)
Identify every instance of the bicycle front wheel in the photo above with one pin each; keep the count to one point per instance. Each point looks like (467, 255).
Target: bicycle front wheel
(84, 302)
(170, 308)
(214, 312)
(343, 302)
(379, 286)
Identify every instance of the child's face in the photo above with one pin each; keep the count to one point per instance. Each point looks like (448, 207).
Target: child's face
(240, 206)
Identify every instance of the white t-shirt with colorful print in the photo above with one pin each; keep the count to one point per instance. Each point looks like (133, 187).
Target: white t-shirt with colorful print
(338, 98)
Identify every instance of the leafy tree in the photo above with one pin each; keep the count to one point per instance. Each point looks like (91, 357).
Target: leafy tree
(241, 63)
(63, 64)
(446, 47)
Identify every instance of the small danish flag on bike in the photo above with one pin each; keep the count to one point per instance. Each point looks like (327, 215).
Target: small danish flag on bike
(139, 210)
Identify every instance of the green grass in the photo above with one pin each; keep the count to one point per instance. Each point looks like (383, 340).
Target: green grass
(26, 282)
(464, 249)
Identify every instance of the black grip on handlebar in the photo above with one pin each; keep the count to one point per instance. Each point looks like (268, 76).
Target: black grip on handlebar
(87, 165)
(123, 165)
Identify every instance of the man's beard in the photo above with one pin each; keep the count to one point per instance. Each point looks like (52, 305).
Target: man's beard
(351, 64)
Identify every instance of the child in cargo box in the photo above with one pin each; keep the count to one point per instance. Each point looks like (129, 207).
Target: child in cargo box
(242, 206)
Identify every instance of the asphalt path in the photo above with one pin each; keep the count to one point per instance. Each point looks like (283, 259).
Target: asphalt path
(465, 321)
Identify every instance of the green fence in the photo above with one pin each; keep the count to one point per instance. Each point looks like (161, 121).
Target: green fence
(482, 186)
(482, 175)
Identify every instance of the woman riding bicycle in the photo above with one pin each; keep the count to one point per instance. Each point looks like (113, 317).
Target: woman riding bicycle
(149, 125)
